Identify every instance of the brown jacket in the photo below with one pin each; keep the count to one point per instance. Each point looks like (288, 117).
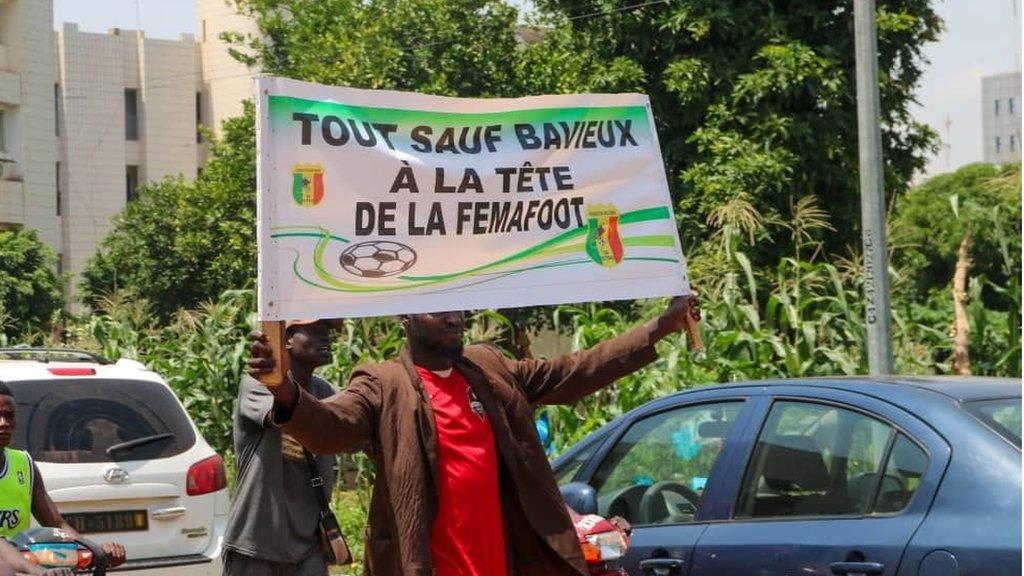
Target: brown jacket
(385, 410)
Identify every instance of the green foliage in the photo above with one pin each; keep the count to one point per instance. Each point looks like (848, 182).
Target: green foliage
(927, 229)
(30, 290)
(756, 99)
(931, 220)
(182, 243)
(454, 47)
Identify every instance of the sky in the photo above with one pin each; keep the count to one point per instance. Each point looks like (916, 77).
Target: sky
(981, 37)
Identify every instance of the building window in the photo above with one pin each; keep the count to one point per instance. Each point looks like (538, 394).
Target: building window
(131, 114)
(204, 29)
(58, 188)
(1013, 143)
(132, 183)
(199, 116)
(999, 145)
(3, 132)
(997, 107)
(56, 109)
(1010, 105)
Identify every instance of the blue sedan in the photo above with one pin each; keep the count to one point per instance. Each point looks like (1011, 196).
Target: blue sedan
(894, 476)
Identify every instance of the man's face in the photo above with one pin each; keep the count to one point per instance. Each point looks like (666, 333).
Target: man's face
(6, 420)
(311, 344)
(438, 331)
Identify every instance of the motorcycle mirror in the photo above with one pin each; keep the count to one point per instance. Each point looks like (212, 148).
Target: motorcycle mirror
(580, 496)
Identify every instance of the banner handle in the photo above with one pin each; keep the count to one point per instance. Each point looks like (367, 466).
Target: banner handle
(274, 331)
(691, 322)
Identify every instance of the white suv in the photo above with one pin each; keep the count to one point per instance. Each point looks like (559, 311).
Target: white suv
(121, 458)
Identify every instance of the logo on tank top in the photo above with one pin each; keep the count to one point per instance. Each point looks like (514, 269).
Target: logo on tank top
(475, 405)
(21, 477)
(9, 518)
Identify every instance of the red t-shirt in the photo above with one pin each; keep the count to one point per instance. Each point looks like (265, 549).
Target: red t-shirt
(468, 536)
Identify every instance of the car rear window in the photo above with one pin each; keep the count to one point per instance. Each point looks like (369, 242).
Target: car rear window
(78, 420)
(1001, 415)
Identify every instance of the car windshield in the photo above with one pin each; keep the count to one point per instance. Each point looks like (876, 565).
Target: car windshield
(74, 420)
(1001, 415)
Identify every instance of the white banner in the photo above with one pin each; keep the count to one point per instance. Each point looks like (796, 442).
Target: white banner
(376, 202)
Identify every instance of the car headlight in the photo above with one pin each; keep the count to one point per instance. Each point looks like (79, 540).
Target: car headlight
(604, 546)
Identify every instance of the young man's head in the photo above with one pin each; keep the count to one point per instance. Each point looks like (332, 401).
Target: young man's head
(435, 332)
(6, 415)
(309, 341)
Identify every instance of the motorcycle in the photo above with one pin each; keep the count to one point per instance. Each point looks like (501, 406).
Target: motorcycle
(55, 548)
(603, 541)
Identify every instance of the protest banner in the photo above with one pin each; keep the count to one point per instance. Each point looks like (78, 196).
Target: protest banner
(378, 202)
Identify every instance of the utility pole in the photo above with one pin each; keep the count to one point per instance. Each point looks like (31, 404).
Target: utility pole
(872, 191)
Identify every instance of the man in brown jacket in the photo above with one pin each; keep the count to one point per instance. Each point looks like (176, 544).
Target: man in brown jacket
(463, 487)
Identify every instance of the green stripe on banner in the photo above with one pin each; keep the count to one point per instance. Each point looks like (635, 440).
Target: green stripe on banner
(282, 108)
(645, 214)
(557, 246)
(642, 215)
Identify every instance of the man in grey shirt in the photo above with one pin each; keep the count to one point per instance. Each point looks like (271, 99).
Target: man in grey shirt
(273, 525)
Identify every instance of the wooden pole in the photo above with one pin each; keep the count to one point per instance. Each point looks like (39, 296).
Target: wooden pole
(276, 340)
(692, 324)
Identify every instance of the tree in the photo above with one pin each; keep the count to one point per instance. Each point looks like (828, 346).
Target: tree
(182, 243)
(30, 289)
(755, 99)
(931, 221)
(957, 247)
(453, 47)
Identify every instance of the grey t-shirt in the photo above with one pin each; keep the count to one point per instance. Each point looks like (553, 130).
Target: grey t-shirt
(274, 514)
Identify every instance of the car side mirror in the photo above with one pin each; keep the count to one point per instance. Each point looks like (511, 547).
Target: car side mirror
(580, 496)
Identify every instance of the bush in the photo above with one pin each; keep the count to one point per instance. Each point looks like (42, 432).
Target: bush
(30, 294)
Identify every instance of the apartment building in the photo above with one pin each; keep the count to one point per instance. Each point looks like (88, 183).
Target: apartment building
(28, 141)
(1001, 119)
(126, 115)
(86, 118)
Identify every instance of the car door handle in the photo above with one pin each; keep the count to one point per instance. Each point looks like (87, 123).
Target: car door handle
(168, 513)
(661, 566)
(854, 568)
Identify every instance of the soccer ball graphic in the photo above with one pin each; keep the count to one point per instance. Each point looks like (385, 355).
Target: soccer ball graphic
(377, 258)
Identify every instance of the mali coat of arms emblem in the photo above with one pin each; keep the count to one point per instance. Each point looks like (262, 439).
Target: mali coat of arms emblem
(604, 245)
(308, 184)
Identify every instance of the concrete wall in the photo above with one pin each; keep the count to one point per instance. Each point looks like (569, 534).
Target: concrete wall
(168, 94)
(92, 74)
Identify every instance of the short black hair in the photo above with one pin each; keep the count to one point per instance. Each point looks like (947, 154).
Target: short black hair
(5, 390)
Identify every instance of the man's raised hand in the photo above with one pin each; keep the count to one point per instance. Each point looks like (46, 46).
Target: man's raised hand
(261, 356)
(680, 312)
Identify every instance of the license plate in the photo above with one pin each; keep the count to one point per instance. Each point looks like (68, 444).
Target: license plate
(117, 521)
